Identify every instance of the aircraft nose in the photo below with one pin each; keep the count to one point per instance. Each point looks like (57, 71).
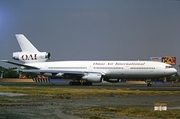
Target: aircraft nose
(174, 71)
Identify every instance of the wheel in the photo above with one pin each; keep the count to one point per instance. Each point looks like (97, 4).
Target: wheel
(71, 83)
(148, 84)
(87, 83)
(77, 83)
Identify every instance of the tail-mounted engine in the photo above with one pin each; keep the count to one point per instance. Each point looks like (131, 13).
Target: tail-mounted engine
(31, 57)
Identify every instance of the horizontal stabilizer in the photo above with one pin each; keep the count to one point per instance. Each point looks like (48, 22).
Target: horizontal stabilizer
(18, 64)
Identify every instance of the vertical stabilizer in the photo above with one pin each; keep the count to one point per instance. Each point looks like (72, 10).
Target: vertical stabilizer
(25, 44)
(29, 53)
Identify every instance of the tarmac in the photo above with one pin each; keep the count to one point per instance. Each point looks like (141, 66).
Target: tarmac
(44, 108)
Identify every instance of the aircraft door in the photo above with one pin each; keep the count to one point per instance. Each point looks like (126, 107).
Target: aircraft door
(90, 68)
(158, 69)
(126, 71)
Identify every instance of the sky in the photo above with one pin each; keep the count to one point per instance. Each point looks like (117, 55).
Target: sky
(92, 29)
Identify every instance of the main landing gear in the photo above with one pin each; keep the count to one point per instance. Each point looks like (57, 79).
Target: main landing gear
(80, 83)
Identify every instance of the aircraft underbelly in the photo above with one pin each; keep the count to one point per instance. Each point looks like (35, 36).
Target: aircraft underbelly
(143, 75)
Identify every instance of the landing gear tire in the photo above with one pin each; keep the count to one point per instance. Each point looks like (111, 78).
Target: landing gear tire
(79, 83)
(74, 83)
(71, 83)
(148, 81)
(149, 85)
(87, 83)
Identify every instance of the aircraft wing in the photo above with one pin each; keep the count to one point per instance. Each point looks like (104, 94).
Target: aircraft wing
(18, 64)
(61, 72)
(54, 71)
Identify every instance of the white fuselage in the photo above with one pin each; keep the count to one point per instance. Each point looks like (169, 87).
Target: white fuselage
(90, 71)
(112, 69)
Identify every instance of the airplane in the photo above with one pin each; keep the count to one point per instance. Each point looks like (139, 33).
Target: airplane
(89, 71)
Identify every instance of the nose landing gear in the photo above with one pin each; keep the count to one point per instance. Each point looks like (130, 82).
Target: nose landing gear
(148, 81)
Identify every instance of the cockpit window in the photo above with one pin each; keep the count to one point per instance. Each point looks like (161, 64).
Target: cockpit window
(168, 67)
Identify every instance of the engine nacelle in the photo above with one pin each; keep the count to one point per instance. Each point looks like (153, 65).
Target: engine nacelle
(31, 57)
(112, 80)
(93, 77)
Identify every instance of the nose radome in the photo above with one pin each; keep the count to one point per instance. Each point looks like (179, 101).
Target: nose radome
(174, 71)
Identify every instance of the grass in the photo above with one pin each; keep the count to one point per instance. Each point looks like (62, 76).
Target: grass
(44, 91)
(6, 100)
(97, 113)
(101, 113)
